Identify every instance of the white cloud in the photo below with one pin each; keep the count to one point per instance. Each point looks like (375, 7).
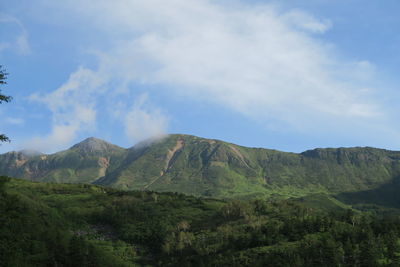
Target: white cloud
(73, 106)
(19, 41)
(60, 136)
(256, 60)
(143, 121)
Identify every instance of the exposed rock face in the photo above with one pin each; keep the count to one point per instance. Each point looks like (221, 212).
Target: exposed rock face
(104, 163)
(11, 162)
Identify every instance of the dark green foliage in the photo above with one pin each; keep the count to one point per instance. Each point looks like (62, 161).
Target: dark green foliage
(3, 77)
(3, 98)
(30, 233)
(84, 225)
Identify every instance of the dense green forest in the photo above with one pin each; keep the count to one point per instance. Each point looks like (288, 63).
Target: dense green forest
(45, 224)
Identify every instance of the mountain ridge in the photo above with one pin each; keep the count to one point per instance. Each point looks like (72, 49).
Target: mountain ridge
(209, 167)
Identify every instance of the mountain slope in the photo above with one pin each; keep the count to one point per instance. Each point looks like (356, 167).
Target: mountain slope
(198, 166)
(83, 163)
(210, 167)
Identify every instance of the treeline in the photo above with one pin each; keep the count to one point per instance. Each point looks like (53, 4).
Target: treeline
(83, 225)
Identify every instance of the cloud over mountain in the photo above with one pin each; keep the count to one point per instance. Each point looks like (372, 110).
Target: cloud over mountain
(256, 60)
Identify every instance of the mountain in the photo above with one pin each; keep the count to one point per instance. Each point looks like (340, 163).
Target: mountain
(200, 166)
(206, 167)
(84, 162)
(93, 146)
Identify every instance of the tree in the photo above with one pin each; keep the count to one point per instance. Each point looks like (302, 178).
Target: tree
(3, 98)
(393, 248)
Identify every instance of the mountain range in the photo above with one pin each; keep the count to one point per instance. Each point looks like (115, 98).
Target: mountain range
(96, 204)
(207, 167)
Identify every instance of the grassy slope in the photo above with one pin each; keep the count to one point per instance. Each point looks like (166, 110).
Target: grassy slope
(215, 168)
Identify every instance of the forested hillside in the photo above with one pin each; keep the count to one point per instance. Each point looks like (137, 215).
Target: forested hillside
(205, 167)
(44, 224)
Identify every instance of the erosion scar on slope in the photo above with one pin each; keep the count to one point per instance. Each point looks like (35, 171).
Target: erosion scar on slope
(171, 155)
(237, 152)
(103, 164)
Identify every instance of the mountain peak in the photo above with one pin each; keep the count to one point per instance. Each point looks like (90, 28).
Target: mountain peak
(94, 145)
(30, 152)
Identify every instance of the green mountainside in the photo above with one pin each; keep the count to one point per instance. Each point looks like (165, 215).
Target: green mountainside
(205, 167)
(83, 163)
(48, 224)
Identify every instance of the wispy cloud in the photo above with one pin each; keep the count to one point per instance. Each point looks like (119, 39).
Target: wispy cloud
(73, 106)
(255, 60)
(143, 121)
(19, 41)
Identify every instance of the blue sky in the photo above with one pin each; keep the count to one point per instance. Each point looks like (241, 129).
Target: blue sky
(288, 75)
